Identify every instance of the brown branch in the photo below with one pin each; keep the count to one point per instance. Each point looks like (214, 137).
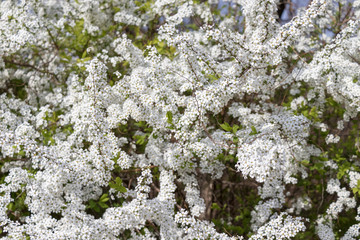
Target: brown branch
(52, 38)
(21, 64)
(136, 169)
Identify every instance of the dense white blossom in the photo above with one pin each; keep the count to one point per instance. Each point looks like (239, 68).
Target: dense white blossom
(91, 91)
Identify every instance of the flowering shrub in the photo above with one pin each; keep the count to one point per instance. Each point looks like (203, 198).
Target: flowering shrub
(163, 119)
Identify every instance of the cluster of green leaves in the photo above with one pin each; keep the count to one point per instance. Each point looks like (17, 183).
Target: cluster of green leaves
(18, 87)
(142, 140)
(117, 185)
(98, 205)
(18, 208)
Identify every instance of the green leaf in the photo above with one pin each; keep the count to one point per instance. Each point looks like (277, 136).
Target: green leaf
(84, 54)
(318, 167)
(215, 206)
(253, 131)
(11, 206)
(21, 153)
(235, 128)
(141, 140)
(140, 124)
(229, 157)
(104, 198)
(103, 205)
(117, 185)
(226, 127)
(83, 60)
(356, 190)
(91, 204)
(305, 162)
(343, 168)
(96, 208)
(340, 174)
(169, 117)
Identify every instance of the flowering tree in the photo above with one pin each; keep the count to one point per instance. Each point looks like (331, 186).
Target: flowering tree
(164, 119)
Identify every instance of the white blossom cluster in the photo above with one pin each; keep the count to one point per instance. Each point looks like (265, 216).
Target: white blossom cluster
(83, 103)
(282, 226)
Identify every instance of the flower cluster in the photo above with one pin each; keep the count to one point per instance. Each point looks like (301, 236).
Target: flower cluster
(164, 119)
